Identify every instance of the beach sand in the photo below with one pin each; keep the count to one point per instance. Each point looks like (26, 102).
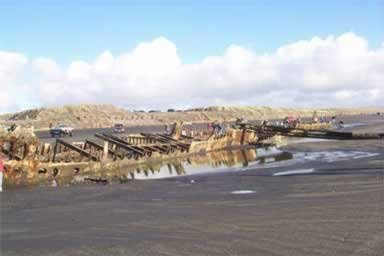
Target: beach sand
(335, 209)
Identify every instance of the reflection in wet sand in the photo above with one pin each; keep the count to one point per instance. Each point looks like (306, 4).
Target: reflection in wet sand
(210, 163)
(213, 162)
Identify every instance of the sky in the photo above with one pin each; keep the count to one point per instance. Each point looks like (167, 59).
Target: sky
(181, 54)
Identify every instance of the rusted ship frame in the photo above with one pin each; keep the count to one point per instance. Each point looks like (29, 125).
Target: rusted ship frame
(265, 131)
(29, 159)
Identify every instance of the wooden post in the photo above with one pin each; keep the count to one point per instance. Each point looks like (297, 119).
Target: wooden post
(54, 152)
(242, 136)
(105, 151)
(11, 149)
(25, 150)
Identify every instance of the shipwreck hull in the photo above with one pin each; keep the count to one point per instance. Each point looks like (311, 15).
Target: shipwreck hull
(61, 174)
(313, 126)
(33, 163)
(233, 138)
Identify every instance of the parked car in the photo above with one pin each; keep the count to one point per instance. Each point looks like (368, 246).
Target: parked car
(290, 121)
(118, 128)
(61, 130)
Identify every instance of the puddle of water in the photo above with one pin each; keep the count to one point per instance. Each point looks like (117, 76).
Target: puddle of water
(365, 154)
(323, 156)
(294, 140)
(294, 172)
(352, 125)
(213, 162)
(242, 192)
(334, 156)
(241, 160)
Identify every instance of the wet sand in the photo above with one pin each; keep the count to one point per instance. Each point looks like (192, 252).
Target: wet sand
(336, 208)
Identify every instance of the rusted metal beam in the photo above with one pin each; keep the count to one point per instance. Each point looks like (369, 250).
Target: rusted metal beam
(163, 148)
(98, 146)
(119, 144)
(157, 148)
(178, 142)
(133, 147)
(168, 140)
(77, 149)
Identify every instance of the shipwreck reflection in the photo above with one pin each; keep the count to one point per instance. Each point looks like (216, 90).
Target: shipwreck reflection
(210, 163)
(213, 162)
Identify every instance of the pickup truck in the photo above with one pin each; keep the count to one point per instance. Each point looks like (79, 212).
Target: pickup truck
(61, 130)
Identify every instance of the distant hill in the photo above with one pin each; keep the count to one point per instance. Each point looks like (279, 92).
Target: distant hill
(96, 116)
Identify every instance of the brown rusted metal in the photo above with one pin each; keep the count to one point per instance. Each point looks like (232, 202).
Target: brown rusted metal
(77, 149)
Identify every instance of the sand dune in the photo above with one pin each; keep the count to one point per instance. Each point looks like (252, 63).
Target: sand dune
(96, 116)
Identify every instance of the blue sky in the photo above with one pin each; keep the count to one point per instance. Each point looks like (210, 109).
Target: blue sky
(159, 54)
(67, 30)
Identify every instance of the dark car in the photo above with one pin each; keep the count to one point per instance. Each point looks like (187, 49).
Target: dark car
(61, 130)
(118, 128)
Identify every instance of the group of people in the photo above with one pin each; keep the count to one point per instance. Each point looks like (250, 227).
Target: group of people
(320, 119)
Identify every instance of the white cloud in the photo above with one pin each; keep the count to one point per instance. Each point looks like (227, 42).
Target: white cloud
(46, 67)
(10, 64)
(331, 71)
(11, 72)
